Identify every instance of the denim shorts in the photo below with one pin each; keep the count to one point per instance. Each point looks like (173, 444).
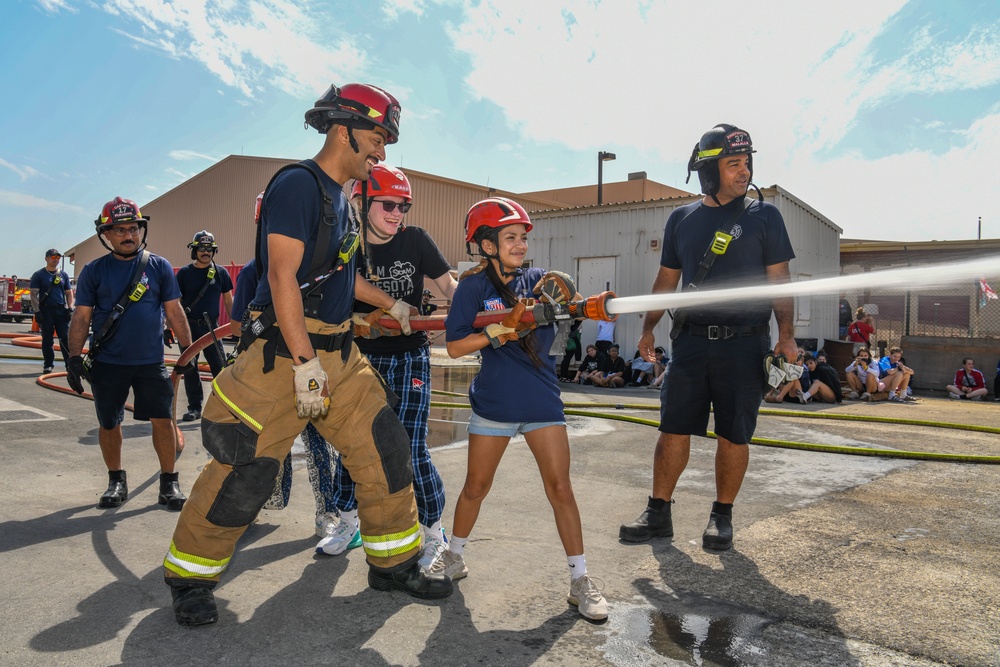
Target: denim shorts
(480, 426)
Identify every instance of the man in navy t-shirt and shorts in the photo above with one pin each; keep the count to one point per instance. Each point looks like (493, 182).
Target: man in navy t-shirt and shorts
(131, 354)
(718, 351)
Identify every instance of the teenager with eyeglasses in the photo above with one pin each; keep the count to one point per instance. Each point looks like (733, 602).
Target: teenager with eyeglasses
(400, 257)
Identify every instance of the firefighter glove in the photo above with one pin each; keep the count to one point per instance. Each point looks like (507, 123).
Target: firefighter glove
(400, 312)
(555, 287)
(510, 329)
(312, 398)
(366, 325)
(75, 371)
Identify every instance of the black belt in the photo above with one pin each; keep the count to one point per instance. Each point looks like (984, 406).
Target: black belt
(725, 331)
(274, 345)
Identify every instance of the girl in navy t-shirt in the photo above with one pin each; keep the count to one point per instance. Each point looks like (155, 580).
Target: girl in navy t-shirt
(516, 391)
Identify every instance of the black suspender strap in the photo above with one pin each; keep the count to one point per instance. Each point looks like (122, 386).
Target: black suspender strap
(209, 279)
(133, 292)
(720, 241)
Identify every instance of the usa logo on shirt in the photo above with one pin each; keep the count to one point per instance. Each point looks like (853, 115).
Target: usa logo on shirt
(493, 304)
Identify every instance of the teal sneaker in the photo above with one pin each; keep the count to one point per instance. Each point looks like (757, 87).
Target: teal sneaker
(345, 536)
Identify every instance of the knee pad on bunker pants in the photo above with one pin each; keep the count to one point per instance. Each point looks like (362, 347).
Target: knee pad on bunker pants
(250, 482)
(393, 445)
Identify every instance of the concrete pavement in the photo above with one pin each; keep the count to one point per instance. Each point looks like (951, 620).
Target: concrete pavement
(838, 560)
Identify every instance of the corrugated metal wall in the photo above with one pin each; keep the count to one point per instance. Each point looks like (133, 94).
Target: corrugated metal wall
(624, 231)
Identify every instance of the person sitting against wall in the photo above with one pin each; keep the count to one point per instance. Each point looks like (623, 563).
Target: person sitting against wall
(863, 376)
(897, 376)
(639, 371)
(969, 383)
(612, 371)
(659, 368)
(588, 366)
(824, 384)
(788, 392)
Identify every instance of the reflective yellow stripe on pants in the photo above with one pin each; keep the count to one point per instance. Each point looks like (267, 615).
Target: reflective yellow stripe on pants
(384, 546)
(188, 565)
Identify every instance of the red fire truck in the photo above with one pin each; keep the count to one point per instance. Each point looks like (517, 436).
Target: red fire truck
(15, 299)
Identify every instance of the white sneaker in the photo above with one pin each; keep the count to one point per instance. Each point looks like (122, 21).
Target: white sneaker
(435, 543)
(866, 396)
(585, 593)
(954, 395)
(451, 565)
(853, 396)
(325, 523)
(344, 536)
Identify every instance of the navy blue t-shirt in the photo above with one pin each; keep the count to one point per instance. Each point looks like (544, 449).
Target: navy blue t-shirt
(759, 240)
(509, 387)
(41, 280)
(246, 285)
(398, 269)
(139, 338)
(191, 279)
(293, 207)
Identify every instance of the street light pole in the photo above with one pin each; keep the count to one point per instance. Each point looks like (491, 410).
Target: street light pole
(602, 157)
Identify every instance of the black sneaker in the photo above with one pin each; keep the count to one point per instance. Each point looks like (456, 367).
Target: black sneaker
(170, 492)
(718, 535)
(194, 605)
(412, 581)
(654, 521)
(117, 492)
(191, 415)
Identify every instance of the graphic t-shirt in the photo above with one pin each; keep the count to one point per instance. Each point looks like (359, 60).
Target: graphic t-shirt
(398, 269)
(509, 387)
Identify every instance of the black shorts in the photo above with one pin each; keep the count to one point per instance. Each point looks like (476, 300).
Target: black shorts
(726, 376)
(110, 383)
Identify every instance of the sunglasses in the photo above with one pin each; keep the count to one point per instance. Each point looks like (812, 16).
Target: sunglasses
(121, 232)
(390, 206)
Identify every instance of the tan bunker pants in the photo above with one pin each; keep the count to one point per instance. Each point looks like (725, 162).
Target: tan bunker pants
(248, 426)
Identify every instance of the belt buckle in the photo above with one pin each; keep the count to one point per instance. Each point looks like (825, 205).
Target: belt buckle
(712, 331)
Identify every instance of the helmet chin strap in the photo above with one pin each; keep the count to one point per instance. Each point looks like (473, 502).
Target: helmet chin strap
(354, 143)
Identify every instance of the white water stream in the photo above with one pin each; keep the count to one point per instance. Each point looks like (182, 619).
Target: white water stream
(915, 278)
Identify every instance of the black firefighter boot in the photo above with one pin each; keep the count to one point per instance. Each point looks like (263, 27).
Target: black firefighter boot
(718, 535)
(411, 580)
(117, 492)
(170, 492)
(194, 604)
(654, 521)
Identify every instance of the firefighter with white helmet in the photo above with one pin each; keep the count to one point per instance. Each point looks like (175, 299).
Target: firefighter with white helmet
(297, 363)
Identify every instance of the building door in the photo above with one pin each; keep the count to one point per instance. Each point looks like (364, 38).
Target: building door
(594, 275)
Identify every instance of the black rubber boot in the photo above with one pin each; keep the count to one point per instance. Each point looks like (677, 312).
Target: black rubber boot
(170, 492)
(412, 581)
(654, 521)
(194, 605)
(117, 492)
(718, 535)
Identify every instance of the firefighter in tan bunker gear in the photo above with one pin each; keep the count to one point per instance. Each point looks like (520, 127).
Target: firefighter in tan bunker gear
(298, 364)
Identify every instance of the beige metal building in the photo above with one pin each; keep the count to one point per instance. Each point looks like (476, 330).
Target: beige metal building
(611, 246)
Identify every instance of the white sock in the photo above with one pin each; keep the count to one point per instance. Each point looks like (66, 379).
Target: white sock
(577, 566)
(806, 394)
(351, 516)
(892, 394)
(434, 529)
(456, 545)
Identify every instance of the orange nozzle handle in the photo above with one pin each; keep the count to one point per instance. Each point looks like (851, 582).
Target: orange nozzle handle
(594, 307)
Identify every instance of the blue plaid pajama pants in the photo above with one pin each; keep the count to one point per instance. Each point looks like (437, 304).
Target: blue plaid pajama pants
(408, 374)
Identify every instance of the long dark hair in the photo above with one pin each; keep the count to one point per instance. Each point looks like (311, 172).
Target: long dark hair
(529, 343)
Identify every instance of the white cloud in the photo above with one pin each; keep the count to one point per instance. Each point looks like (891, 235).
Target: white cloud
(653, 75)
(291, 45)
(393, 8)
(22, 200)
(55, 6)
(23, 172)
(191, 155)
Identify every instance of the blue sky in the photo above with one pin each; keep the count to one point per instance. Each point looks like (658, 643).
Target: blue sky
(884, 116)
